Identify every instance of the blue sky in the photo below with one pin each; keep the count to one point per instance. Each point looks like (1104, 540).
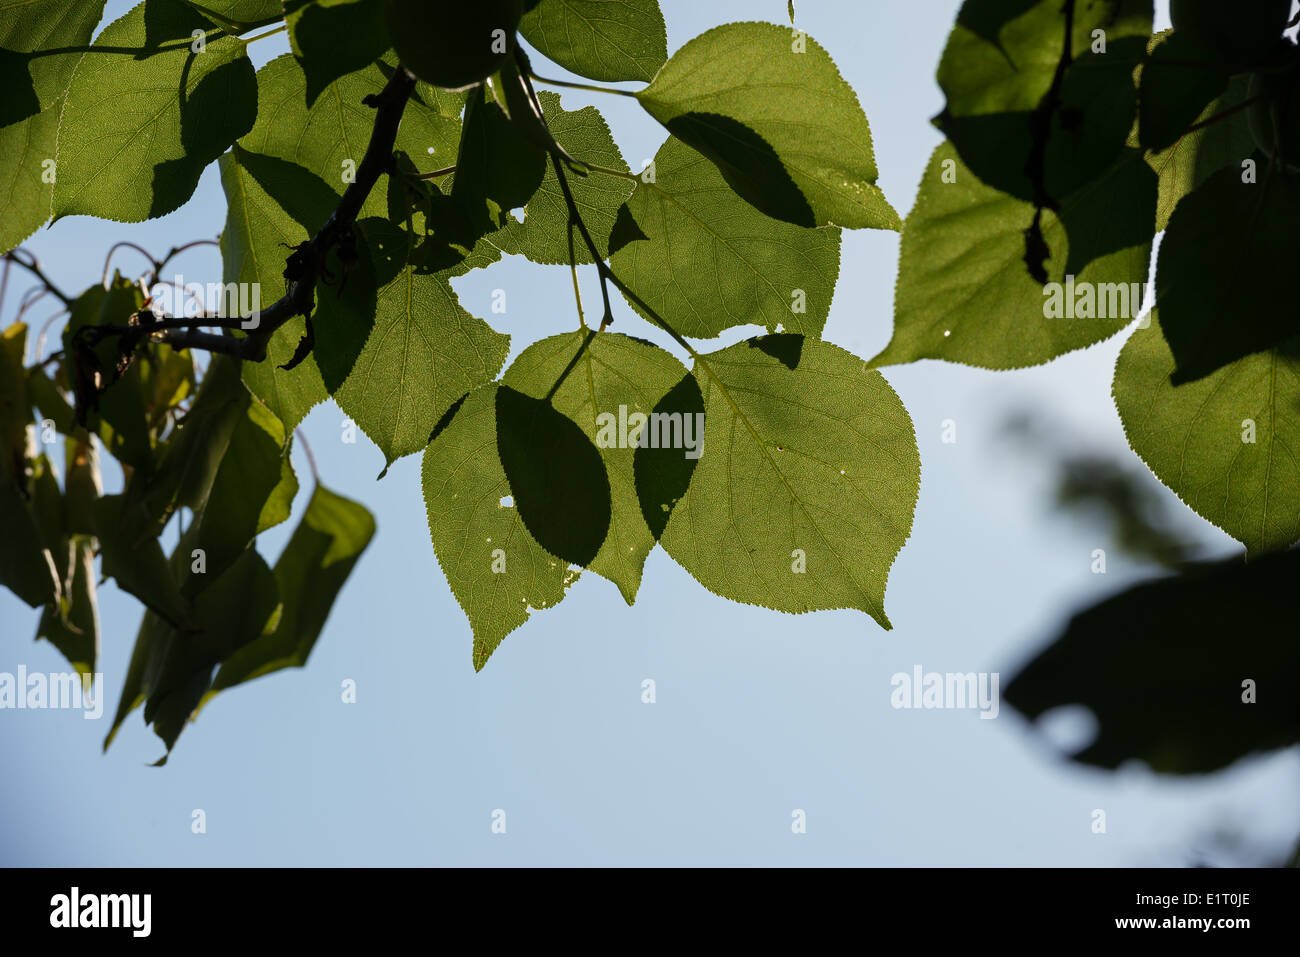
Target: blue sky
(757, 713)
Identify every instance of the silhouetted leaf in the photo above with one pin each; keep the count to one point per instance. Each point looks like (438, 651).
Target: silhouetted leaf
(1163, 667)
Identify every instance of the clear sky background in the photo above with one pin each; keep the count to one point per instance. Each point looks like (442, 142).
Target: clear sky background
(758, 713)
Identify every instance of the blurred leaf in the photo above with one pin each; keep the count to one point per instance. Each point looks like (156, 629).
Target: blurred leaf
(1163, 666)
(316, 563)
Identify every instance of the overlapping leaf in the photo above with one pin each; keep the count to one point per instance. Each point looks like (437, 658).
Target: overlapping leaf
(600, 39)
(311, 571)
(543, 236)
(607, 383)
(496, 569)
(705, 260)
(330, 38)
(964, 293)
(1227, 444)
(772, 111)
(1224, 280)
(804, 493)
(1015, 124)
(147, 110)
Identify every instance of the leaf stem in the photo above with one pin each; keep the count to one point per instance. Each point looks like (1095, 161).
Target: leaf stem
(268, 33)
(1224, 114)
(622, 174)
(578, 86)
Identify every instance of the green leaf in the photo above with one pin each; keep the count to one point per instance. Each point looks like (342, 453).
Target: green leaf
(72, 626)
(998, 70)
(1198, 155)
(705, 260)
(600, 39)
(145, 113)
(15, 403)
(330, 38)
(26, 567)
(1162, 666)
(965, 295)
(327, 543)
(772, 111)
(131, 555)
(189, 460)
(809, 475)
(253, 490)
(600, 381)
(496, 569)
(397, 367)
(29, 112)
(253, 250)
(240, 15)
(543, 236)
(1226, 444)
(234, 610)
(1223, 277)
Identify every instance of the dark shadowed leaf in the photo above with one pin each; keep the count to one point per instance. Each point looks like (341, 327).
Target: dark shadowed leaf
(1163, 667)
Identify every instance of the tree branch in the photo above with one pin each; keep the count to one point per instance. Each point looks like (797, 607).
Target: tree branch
(305, 266)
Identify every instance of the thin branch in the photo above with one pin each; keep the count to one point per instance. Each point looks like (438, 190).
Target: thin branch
(1224, 114)
(40, 339)
(177, 250)
(153, 263)
(306, 264)
(4, 282)
(26, 303)
(33, 266)
(445, 171)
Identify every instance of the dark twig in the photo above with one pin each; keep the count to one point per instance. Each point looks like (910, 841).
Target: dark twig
(34, 267)
(307, 262)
